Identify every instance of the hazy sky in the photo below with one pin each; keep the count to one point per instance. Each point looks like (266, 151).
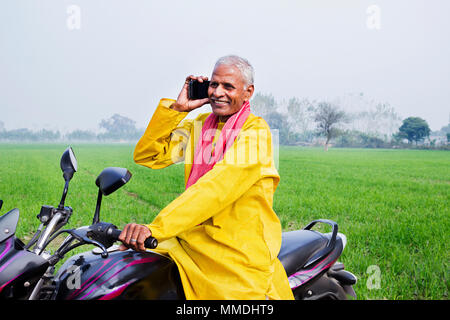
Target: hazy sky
(70, 64)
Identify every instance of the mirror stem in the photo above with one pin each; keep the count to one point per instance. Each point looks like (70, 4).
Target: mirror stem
(63, 198)
(97, 208)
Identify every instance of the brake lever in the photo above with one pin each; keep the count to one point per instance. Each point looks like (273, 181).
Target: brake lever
(83, 234)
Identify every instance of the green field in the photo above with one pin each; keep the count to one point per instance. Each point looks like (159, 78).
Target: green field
(393, 205)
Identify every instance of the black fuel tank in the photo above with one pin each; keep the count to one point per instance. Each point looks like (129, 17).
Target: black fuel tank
(123, 275)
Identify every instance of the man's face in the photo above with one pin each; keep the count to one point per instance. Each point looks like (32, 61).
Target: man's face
(227, 91)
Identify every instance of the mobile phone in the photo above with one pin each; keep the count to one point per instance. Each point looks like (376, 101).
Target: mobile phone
(198, 90)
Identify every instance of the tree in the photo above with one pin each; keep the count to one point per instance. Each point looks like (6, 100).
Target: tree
(263, 104)
(414, 129)
(47, 135)
(373, 117)
(21, 135)
(278, 121)
(119, 128)
(448, 137)
(25, 135)
(300, 114)
(444, 129)
(328, 117)
(81, 135)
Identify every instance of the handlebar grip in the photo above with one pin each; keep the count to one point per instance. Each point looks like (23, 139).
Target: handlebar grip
(150, 242)
(114, 233)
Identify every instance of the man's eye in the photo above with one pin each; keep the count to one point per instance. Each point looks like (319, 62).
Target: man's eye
(213, 85)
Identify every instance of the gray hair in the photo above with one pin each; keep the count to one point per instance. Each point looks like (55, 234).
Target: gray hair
(242, 64)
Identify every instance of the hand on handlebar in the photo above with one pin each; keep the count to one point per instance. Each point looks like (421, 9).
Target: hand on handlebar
(133, 236)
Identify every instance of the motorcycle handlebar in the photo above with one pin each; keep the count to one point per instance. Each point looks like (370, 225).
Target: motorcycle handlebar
(150, 242)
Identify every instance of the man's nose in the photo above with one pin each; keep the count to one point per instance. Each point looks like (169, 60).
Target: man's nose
(218, 92)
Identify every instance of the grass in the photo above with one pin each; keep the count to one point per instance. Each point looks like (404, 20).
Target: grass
(393, 205)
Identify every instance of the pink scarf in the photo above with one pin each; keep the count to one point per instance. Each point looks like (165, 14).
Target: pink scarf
(203, 160)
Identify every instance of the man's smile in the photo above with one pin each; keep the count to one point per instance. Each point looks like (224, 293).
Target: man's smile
(219, 102)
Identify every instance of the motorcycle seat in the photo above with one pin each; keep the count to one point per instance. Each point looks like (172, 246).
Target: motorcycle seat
(297, 247)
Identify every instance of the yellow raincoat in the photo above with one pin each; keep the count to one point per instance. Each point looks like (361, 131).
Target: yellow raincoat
(222, 231)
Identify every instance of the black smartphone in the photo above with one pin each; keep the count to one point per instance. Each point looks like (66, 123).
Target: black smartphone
(198, 90)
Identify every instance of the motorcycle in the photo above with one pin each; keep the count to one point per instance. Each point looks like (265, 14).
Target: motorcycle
(27, 271)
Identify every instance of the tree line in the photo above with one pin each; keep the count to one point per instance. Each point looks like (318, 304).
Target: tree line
(373, 125)
(350, 121)
(117, 128)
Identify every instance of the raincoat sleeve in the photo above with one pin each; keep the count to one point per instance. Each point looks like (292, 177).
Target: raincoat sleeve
(246, 161)
(165, 139)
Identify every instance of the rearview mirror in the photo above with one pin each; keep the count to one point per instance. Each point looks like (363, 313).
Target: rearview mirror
(111, 179)
(108, 181)
(68, 164)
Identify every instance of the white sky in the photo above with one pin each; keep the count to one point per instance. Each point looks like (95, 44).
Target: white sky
(128, 54)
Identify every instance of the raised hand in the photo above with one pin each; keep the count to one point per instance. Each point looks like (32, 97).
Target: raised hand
(183, 103)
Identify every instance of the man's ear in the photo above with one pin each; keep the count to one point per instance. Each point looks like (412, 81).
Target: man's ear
(249, 92)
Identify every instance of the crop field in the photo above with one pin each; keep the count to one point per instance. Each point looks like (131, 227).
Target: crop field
(393, 205)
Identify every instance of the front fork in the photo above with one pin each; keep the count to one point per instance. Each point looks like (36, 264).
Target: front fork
(45, 287)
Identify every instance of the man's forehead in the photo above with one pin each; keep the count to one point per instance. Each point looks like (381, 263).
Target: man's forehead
(226, 73)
